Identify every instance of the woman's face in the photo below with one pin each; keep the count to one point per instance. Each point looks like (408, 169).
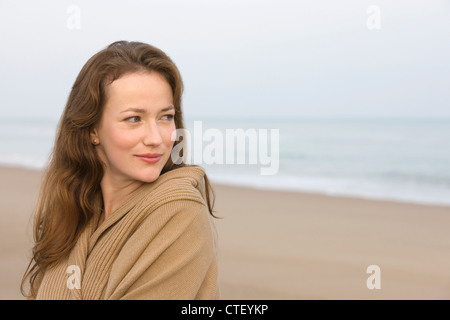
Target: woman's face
(133, 138)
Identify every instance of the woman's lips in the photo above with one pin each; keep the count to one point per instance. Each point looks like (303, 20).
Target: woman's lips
(149, 157)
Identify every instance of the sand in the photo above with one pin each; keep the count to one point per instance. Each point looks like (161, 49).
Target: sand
(284, 245)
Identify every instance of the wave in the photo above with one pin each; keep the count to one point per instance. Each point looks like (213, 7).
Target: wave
(24, 161)
(375, 189)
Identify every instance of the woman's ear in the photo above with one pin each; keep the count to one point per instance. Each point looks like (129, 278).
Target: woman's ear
(94, 137)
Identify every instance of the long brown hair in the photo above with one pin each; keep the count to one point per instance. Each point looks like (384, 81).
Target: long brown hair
(70, 193)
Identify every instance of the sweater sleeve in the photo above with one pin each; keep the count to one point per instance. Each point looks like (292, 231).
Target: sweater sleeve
(177, 261)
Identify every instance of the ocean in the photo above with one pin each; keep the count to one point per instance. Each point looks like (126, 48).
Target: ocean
(401, 159)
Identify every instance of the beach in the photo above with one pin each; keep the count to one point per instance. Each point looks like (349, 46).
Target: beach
(284, 245)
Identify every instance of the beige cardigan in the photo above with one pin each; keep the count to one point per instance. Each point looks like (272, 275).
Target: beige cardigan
(159, 244)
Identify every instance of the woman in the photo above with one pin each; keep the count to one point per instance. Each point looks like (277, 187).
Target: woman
(116, 217)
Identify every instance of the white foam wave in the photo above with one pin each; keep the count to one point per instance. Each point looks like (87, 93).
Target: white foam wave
(362, 188)
(24, 161)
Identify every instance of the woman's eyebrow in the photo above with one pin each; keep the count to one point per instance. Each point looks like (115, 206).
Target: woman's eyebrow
(168, 108)
(138, 110)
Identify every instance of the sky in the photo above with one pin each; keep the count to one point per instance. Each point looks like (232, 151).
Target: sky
(241, 59)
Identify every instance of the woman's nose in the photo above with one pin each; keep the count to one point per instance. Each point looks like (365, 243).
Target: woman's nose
(152, 136)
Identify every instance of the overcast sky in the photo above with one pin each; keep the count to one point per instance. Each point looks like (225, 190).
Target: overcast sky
(278, 58)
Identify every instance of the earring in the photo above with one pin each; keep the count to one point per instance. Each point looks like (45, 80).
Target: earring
(94, 141)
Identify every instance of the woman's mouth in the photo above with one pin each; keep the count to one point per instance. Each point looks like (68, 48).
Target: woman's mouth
(149, 157)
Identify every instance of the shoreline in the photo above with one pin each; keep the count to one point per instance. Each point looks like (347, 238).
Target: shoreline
(277, 244)
(292, 190)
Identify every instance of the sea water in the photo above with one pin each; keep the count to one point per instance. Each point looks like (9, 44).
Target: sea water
(397, 159)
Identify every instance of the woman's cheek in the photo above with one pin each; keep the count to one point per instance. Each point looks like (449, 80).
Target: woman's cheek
(125, 140)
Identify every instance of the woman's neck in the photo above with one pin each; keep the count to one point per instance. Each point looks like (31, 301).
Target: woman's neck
(115, 193)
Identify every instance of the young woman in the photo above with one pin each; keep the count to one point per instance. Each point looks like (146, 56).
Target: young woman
(116, 217)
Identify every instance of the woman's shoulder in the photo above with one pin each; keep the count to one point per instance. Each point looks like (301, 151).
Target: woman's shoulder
(178, 197)
(184, 183)
(188, 176)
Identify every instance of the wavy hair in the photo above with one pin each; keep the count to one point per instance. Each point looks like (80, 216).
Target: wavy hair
(70, 193)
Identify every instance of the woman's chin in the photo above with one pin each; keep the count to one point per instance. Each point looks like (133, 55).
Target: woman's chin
(150, 177)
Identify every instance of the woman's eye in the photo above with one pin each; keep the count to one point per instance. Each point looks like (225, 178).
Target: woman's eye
(133, 119)
(168, 117)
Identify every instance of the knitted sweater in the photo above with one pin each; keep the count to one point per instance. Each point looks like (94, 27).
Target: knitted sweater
(159, 244)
